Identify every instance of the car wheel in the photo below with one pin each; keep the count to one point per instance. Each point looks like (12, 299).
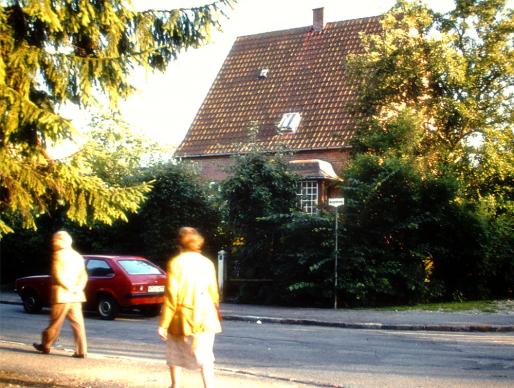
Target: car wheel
(31, 302)
(152, 310)
(107, 307)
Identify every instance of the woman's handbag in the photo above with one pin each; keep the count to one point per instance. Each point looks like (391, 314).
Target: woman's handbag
(182, 323)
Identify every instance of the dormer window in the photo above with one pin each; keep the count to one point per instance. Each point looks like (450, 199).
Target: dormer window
(264, 73)
(290, 122)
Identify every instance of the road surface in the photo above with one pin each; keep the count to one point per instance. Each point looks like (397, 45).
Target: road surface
(303, 355)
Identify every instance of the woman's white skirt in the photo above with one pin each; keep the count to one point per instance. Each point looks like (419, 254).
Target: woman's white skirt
(191, 352)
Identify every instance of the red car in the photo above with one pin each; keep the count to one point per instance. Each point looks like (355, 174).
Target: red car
(114, 283)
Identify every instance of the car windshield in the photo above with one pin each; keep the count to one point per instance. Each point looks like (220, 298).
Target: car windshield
(139, 267)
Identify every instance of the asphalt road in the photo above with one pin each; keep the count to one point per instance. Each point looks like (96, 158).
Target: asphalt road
(315, 356)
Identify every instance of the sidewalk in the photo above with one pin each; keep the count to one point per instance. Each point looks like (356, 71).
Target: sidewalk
(373, 319)
(22, 367)
(358, 319)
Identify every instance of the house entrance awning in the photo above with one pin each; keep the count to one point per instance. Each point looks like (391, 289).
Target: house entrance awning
(314, 169)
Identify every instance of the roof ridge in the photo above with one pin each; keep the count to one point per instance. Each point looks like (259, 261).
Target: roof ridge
(305, 28)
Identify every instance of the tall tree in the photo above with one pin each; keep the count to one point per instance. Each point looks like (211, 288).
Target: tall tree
(454, 73)
(54, 52)
(434, 147)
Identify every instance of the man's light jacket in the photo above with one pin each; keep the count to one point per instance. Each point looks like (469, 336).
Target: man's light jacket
(69, 276)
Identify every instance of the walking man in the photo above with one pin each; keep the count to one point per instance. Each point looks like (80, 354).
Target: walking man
(69, 279)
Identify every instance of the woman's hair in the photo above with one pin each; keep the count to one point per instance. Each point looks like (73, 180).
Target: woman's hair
(189, 239)
(61, 240)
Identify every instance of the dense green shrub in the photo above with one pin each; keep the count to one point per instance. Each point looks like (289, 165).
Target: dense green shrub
(303, 269)
(259, 189)
(407, 238)
(178, 198)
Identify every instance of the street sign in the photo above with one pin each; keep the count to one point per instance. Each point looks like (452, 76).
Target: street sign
(335, 202)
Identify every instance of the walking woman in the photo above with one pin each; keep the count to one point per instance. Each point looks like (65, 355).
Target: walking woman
(190, 314)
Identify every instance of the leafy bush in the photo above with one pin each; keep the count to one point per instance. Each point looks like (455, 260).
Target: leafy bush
(304, 267)
(260, 189)
(178, 198)
(407, 238)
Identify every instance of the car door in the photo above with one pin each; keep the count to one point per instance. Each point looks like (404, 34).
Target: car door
(101, 278)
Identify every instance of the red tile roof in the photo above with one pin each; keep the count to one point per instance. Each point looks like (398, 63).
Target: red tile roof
(306, 75)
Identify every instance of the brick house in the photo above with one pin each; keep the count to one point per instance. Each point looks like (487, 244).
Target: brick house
(283, 91)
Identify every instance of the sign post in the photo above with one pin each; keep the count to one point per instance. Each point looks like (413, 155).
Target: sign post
(335, 203)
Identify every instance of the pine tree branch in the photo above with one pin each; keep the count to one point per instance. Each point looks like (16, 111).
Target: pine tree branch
(103, 58)
(74, 56)
(31, 103)
(214, 5)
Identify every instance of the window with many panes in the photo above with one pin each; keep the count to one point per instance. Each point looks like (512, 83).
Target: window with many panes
(309, 196)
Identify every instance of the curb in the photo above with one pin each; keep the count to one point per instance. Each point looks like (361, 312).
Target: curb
(371, 326)
(482, 328)
(10, 302)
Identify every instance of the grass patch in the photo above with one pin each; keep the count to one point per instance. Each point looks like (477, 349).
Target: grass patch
(485, 306)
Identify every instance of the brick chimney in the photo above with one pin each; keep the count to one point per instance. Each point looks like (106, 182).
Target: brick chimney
(317, 19)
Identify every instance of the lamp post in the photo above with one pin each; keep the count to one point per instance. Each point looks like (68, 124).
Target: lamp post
(335, 203)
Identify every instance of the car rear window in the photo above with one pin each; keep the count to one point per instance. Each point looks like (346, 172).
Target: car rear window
(139, 267)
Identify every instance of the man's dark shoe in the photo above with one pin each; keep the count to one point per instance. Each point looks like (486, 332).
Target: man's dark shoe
(41, 348)
(76, 355)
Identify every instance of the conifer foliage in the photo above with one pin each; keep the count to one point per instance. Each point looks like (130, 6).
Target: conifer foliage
(55, 52)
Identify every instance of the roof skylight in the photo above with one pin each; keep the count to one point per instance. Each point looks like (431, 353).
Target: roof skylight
(289, 122)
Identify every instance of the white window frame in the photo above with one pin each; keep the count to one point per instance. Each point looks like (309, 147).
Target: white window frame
(289, 122)
(309, 196)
